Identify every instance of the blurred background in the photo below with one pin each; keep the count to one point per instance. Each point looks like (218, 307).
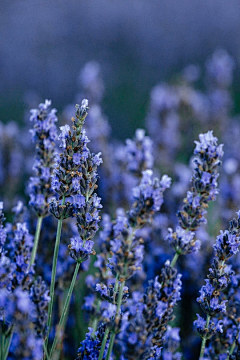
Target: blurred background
(137, 43)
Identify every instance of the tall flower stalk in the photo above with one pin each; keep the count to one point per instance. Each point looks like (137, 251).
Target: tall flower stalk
(85, 202)
(203, 190)
(211, 294)
(44, 135)
(66, 182)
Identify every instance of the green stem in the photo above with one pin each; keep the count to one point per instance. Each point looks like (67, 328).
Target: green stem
(120, 298)
(65, 308)
(232, 348)
(46, 352)
(115, 288)
(54, 269)
(2, 346)
(112, 338)
(204, 339)
(103, 344)
(110, 346)
(95, 321)
(36, 240)
(174, 260)
(7, 344)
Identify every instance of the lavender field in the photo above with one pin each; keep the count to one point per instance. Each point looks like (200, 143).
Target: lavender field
(124, 250)
(119, 192)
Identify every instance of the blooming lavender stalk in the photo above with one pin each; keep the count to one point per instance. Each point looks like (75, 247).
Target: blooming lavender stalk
(19, 250)
(224, 344)
(44, 134)
(145, 331)
(210, 300)
(66, 181)
(126, 249)
(39, 296)
(85, 208)
(203, 190)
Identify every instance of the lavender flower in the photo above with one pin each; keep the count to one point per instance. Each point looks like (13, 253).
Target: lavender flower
(40, 298)
(44, 134)
(148, 198)
(219, 276)
(90, 346)
(145, 331)
(20, 251)
(203, 190)
(139, 153)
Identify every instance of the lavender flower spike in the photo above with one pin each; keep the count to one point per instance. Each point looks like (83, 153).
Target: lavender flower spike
(203, 189)
(211, 295)
(44, 134)
(81, 184)
(66, 181)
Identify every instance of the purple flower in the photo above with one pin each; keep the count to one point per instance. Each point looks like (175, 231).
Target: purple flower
(80, 250)
(102, 289)
(97, 159)
(64, 134)
(44, 134)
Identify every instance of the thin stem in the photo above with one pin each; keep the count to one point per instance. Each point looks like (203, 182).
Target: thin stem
(174, 260)
(120, 298)
(36, 240)
(232, 348)
(115, 288)
(46, 352)
(112, 338)
(2, 346)
(95, 321)
(204, 339)
(65, 308)
(103, 344)
(7, 345)
(54, 269)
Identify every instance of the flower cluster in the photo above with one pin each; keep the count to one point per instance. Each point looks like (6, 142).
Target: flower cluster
(139, 153)
(40, 298)
(220, 275)
(44, 135)
(91, 345)
(203, 190)
(148, 317)
(68, 165)
(19, 251)
(148, 198)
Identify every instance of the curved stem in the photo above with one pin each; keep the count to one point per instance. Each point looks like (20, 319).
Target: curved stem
(54, 269)
(103, 344)
(36, 240)
(65, 308)
(204, 339)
